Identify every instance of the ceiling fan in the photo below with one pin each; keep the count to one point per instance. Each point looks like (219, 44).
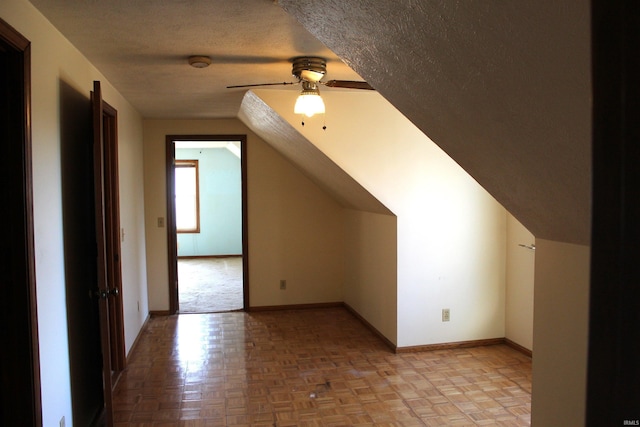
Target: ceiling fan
(309, 70)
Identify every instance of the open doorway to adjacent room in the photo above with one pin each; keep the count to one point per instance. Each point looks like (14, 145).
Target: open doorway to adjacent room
(20, 367)
(207, 222)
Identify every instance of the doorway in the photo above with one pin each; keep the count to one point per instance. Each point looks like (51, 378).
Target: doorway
(206, 223)
(20, 369)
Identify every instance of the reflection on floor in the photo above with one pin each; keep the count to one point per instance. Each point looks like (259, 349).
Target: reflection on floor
(210, 285)
(318, 367)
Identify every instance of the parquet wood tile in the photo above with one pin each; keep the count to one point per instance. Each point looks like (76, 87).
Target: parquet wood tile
(318, 367)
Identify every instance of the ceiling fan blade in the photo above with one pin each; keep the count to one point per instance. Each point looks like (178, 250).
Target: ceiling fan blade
(348, 84)
(263, 84)
(247, 59)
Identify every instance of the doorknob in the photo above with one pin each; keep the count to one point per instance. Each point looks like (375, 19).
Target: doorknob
(114, 292)
(100, 293)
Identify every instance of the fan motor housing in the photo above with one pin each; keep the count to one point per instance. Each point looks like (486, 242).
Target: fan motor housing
(309, 68)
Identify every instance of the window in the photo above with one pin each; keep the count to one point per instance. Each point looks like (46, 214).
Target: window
(187, 197)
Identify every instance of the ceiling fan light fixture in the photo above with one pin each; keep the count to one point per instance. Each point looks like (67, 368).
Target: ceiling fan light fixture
(309, 105)
(309, 101)
(311, 75)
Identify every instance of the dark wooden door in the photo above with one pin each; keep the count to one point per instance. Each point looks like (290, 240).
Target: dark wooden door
(113, 236)
(102, 292)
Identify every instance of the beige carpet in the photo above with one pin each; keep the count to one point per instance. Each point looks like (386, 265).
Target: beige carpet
(208, 285)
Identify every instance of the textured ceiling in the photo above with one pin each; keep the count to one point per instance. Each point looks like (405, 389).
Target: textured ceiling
(503, 87)
(142, 48)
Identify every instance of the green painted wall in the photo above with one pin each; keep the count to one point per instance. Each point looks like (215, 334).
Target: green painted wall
(220, 204)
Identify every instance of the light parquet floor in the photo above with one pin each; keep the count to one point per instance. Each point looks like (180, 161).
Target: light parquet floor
(311, 368)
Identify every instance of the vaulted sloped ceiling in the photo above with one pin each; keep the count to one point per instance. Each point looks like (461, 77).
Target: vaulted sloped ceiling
(502, 87)
(280, 134)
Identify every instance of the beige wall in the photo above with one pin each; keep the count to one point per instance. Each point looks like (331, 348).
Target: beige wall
(371, 272)
(451, 233)
(59, 70)
(520, 280)
(295, 229)
(295, 233)
(561, 312)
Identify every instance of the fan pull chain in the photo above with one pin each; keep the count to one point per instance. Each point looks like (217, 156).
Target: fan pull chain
(324, 123)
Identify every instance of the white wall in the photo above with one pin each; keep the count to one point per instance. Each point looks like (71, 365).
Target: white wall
(520, 279)
(295, 229)
(54, 61)
(451, 233)
(561, 315)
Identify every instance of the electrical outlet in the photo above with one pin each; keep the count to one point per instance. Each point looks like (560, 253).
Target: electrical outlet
(160, 222)
(446, 315)
(62, 422)
(283, 284)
